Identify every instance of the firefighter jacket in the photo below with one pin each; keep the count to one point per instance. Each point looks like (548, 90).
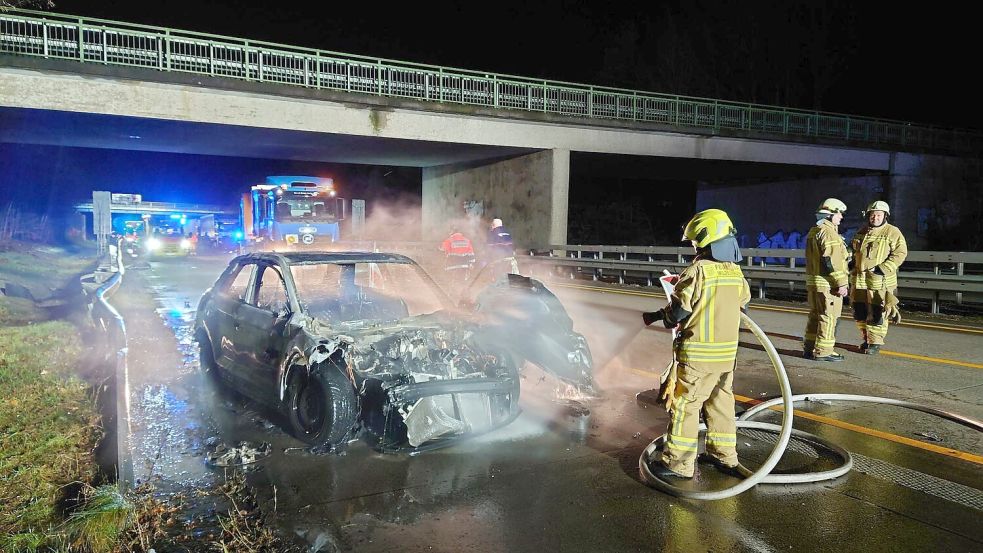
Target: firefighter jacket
(713, 293)
(825, 257)
(877, 255)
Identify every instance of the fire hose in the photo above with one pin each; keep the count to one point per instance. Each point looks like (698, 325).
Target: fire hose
(785, 432)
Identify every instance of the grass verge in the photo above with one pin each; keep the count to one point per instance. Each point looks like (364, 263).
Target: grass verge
(50, 426)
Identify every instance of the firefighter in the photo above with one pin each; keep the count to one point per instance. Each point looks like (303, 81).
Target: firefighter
(458, 256)
(706, 304)
(826, 281)
(501, 251)
(879, 249)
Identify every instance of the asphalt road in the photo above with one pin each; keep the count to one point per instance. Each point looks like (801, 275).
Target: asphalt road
(556, 480)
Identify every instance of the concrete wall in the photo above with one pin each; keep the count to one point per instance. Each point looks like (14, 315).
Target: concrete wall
(529, 193)
(936, 201)
(783, 210)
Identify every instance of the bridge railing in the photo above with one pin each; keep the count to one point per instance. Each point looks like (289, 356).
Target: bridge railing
(927, 275)
(87, 40)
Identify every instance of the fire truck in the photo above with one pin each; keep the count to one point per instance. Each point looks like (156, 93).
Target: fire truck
(292, 210)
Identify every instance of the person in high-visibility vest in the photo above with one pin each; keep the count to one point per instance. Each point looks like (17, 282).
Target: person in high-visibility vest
(879, 249)
(458, 255)
(706, 305)
(826, 281)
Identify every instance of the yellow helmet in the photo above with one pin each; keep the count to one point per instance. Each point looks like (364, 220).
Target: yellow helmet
(831, 206)
(708, 226)
(878, 206)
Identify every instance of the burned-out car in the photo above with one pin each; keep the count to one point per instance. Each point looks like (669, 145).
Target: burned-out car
(345, 344)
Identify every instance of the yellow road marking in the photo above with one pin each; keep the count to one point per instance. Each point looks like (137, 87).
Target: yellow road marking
(933, 359)
(949, 452)
(937, 360)
(965, 456)
(933, 326)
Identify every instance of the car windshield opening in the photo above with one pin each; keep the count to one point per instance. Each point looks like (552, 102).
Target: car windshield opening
(365, 291)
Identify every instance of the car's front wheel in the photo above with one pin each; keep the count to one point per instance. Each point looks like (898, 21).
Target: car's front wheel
(320, 405)
(206, 358)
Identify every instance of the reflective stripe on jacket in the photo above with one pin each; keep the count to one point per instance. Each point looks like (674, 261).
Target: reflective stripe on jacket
(822, 241)
(713, 292)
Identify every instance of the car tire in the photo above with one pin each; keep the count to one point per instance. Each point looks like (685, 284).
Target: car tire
(320, 405)
(206, 358)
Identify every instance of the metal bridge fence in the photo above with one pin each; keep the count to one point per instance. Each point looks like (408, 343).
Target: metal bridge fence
(926, 275)
(87, 40)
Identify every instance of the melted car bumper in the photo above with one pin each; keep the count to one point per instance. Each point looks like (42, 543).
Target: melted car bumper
(442, 412)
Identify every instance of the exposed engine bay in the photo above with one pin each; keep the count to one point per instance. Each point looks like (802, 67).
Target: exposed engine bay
(420, 384)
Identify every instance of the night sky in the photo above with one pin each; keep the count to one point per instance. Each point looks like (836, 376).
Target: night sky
(867, 59)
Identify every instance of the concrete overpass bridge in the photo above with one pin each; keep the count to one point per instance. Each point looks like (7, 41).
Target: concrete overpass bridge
(159, 208)
(500, 139)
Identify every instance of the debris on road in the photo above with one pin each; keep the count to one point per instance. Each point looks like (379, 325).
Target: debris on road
(244, 454)
(931, 436)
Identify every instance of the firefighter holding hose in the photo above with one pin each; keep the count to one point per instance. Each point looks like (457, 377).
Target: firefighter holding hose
(706, 305)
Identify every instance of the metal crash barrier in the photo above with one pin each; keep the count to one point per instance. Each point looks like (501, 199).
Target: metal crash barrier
(926, 275)
(99, 286)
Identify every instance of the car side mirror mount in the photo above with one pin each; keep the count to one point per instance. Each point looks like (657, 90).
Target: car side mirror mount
(281, 312)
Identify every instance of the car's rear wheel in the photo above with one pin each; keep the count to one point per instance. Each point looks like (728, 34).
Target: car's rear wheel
(321, 405)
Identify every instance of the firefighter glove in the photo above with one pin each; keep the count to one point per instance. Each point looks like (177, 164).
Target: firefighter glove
(667, 387)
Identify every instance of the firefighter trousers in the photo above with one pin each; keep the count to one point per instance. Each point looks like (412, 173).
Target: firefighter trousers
(824, 312)
(868, 312)
(712, 393)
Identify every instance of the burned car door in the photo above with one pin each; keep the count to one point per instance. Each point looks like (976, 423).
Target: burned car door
(221, 313)
(521, 312)
(262, 324)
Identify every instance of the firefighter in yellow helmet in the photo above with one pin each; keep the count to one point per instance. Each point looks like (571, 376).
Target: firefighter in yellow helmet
(826, 281)
(706, 304)
(879, 249)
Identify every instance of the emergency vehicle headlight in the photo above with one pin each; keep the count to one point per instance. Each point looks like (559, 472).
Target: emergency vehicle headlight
(153, 244)
(332, 193)
(185, 243)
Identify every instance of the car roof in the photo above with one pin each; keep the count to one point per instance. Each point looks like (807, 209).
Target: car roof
(314, 258)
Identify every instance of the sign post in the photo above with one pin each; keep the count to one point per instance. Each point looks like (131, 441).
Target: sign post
(102, 219)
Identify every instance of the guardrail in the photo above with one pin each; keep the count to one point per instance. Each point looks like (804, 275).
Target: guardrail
(87, 40)
(934, 276)
(105, 281)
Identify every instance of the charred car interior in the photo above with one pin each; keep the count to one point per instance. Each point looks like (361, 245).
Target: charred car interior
(351, 345)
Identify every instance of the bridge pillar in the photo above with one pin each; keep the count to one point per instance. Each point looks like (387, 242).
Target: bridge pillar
(935, 200)
(530, 193)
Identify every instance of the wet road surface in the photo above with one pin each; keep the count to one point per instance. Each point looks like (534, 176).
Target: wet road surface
(559, 480)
